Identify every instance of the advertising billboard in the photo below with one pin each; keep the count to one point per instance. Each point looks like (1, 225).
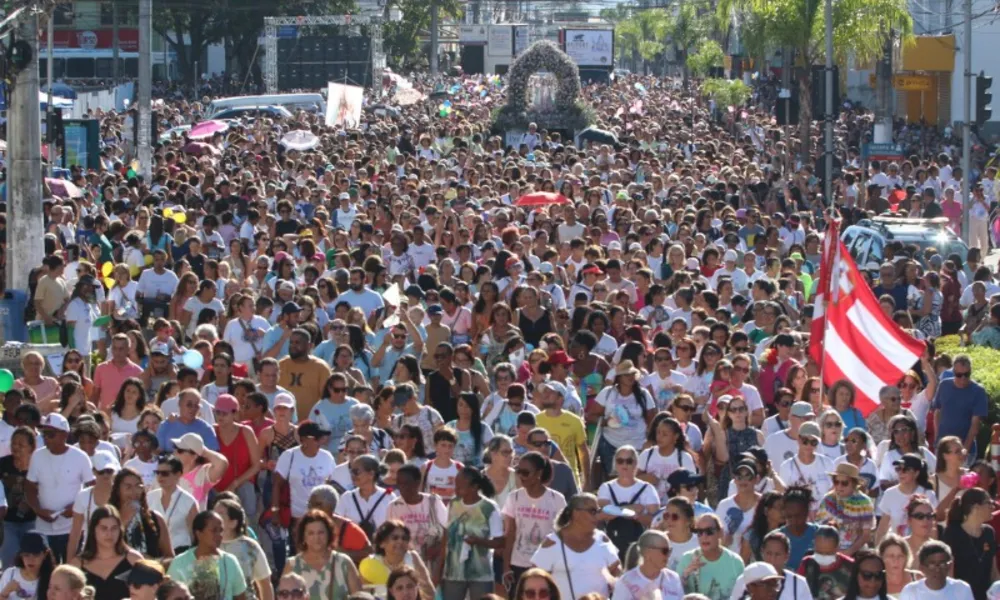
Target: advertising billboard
(590, 47)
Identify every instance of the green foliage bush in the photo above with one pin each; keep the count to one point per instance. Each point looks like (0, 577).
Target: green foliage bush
(986, 372)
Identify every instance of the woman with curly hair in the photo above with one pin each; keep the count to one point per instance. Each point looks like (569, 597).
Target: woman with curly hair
(329, 575)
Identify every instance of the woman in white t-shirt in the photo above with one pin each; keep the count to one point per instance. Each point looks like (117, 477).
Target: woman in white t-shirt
(204, 298)
(121, 299)
(81, 312)
(424, 514)
(625, 491)
(577, 542)
(902, 440)
(917, 398)
(88, 499)
(651, 577)
(736, 512)
(913, 479)
(669, 454)
(22, 581)
(529, 514)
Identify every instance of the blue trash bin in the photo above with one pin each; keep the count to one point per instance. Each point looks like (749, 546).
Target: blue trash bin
(12, 313)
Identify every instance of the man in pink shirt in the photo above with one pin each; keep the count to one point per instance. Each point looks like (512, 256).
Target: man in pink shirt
(110, 375)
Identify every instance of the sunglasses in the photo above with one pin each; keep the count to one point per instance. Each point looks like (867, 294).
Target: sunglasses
(684, 407)
(922, 516)
(662, 550)
(742, 369)
(809, 441)
(296, 593)
(539, 594)
(737, 409)
(624, 461)
(872, 575)
(160, 473)
(705, 531)
(338, 390)
(963, 375)
(785, 404)
(833, 425)
(843, 482)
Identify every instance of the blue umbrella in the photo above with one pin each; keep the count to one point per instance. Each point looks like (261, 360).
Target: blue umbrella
(62, 90)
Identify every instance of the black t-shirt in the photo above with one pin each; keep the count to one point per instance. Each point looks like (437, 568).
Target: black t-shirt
(286, 227)
(973, 557)
(439, 394)
(13, 486)
(197, 265)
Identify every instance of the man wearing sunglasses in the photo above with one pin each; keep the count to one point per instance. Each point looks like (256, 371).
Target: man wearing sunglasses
(808, 468)
(960, 405)
(57, 473)
(783, 445)
(710, 569)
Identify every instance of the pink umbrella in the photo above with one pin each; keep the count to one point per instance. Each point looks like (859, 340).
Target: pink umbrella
(63, 188)
(207, 129)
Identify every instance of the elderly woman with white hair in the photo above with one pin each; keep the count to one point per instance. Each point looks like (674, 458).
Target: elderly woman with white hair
(648, 574)
(890, 405)
(348, 537)
(363, 424)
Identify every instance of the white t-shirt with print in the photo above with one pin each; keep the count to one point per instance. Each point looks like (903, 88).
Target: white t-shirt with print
(735, 520)
(659, 466)
(441, 480)
(892, 505)
(303, 473)
(954, 589)
(815, 475)
(534, 518)
(633, 585)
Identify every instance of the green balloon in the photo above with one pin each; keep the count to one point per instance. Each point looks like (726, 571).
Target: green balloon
(6, 380)
(444, 112)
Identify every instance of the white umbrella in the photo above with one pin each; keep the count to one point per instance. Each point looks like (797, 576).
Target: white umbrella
(300, 139)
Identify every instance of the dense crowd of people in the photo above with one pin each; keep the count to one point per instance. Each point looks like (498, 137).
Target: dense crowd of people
(369, 369)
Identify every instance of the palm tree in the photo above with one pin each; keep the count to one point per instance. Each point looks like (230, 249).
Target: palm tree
(860, 28)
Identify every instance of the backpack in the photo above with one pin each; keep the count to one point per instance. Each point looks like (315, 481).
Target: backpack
(366, 524)
(622, 530)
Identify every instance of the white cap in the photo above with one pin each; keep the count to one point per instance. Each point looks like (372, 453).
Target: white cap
(189, 441)
(103, 460)
(284, 401)
(760, 571)
(615, 245)
(344, 196)
(729, 256)
(55, 421)
(692, 264)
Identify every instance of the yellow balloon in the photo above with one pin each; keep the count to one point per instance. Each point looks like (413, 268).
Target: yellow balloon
(374, 571)
(106, 269)
(168, 212)
(180, 218)
(134, 271)
(148, 259)
(108, 281)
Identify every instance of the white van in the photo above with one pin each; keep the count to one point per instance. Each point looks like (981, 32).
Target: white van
(293, 102)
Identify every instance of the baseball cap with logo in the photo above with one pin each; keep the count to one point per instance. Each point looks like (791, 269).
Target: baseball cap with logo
(55, 421)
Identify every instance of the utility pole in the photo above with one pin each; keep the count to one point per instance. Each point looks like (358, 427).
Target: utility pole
(114, 41)
(49, 133)
(883, 116)
(26, 246)
(145, 92)
(828, 109)
(967, 132)
(434, 37)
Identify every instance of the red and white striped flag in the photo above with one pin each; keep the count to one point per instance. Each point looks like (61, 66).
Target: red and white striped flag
(850, 336)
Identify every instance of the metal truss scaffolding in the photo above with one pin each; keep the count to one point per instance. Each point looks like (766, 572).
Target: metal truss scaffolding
(271, 25)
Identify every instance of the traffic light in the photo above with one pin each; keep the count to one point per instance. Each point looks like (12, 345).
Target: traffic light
(983, 98)
(56, 129)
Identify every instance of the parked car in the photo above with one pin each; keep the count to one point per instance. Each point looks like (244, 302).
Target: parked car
(867, 239)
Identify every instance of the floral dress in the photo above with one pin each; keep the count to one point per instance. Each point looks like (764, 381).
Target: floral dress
(329, 583)
(930, 325)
